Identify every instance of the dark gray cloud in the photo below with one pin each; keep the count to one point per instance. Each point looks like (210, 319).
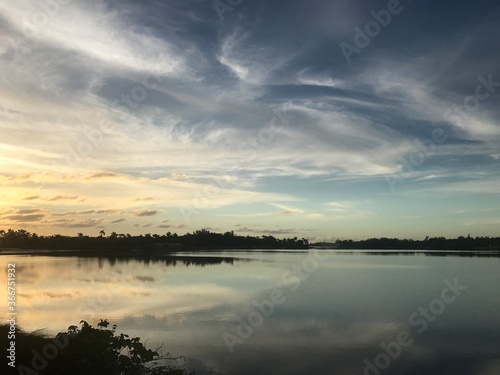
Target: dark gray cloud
(32, 197)
(110, 211)
(25, 218)
(72, 213)
(63, 197)
(28, 211)
(268, 231)
(145, 213)
(89, 223)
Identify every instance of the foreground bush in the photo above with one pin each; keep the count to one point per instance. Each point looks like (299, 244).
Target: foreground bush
(86, 350)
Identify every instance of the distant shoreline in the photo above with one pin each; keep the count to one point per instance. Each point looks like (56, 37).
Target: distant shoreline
(125, 245)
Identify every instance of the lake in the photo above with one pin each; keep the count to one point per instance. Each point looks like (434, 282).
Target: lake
(281, 312)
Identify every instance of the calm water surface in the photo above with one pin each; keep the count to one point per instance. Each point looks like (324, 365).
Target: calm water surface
(281, 312)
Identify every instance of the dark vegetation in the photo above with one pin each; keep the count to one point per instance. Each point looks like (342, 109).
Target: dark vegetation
(435, 243)
(206, 240)
(200, 239)
(85, 350)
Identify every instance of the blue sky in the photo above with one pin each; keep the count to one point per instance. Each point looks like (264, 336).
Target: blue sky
(324, 119)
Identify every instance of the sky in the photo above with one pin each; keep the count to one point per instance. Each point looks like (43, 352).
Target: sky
(324, 119)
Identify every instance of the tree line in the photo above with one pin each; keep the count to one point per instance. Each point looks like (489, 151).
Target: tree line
(205, 239)
(434, 243)
(199, 239)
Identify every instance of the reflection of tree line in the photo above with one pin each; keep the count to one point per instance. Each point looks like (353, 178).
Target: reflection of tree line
(166, 260)
(200, 239)
(438, 253)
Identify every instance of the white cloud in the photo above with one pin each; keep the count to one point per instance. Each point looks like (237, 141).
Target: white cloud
(418, 99)
(253, 63)
(307, 78)
(95, 31)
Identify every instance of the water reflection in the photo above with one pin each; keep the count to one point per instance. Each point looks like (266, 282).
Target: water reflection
(431, 253)
(332, 322)
(200, 261)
